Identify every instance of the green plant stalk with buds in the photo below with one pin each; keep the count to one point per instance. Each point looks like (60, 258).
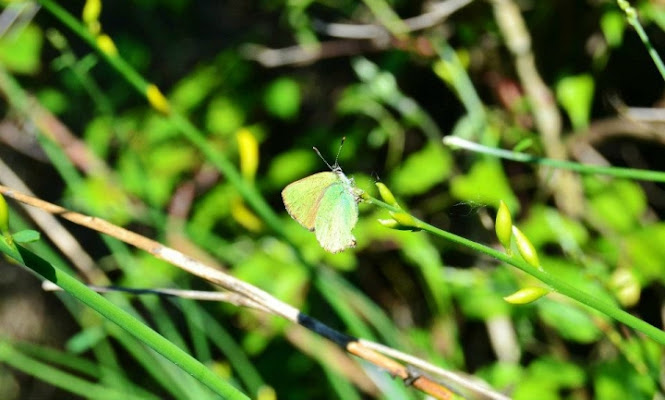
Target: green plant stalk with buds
(529, 264)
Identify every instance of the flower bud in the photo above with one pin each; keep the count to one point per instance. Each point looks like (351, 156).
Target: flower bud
(504, 226)
(387, 195)
(526, 249)
(526, 295)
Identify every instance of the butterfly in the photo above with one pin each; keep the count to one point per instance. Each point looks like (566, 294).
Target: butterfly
(326, 203)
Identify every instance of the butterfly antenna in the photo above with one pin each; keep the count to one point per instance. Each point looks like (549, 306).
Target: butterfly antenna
(339, 151)
(324, 160)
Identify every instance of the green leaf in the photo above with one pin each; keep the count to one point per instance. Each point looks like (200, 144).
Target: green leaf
(501, 375)
(545, 377)
(22, 53)
(644, 252)
(26, 236)
(102, 198)
(485, 183)
(575, 93)
(546, 225)
(422, 170)
(213, 206)
(98, 135)
(85, 339)
(290, 166)
(571, 322)
(617, 204)
(224, 117)
(53, 100)
(194, 88)
(557, 372)
(282, 98)
(613, 24)
(580, 276)
(481, 300)
(618, 380)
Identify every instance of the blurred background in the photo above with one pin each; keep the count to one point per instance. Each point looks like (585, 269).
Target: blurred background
(265, 81)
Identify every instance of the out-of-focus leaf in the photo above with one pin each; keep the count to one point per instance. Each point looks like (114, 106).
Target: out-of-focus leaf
(501, 375)
(224, 117)
(150, 272)
(85, 339)
(575, 93)
(649, 11)
(480, 299)
(644, 253)
(544, 377)
(558, 372)
(571, 322)
(290, 166)
(283, 279)
(616, 205)
(420, 251)
(194, 88)
(422, 170)
(618, 380)
(53, 100)
(22, 53)
(212, 207)
(546, 225)
(98, 135)
(485, 183)
(282, 98)
(579, 276)
(171, 159)
(613, 24)
(103, 199)
(26, 236)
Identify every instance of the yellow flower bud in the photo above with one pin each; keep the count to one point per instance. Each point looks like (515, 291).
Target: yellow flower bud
(504, 226)
(526, 295)
(387, 195)
(526, 249)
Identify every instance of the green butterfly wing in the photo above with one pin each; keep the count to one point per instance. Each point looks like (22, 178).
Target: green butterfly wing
(336, 216)
(302, 197)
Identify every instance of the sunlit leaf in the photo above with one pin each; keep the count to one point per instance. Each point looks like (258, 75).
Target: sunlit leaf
(282, 98)
(422, 170)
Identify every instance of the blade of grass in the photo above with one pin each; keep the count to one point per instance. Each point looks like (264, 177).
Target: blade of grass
(80, 365)
(540, 273)
(123, 319)
(631, 16)
(629, 173)
(227, 345)
(192, 313)
(63, 380)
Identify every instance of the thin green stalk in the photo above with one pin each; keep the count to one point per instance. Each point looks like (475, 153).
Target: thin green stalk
(226, 344)
(629, 173)
(79, 365)
(631, 16)
(540, 273)
(461, 82)
(123, 319)
(63, 380)
(193, 134)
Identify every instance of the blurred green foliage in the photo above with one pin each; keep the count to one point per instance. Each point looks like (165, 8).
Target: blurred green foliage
(409, 290)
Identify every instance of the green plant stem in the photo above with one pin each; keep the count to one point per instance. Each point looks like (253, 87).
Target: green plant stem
(122, 319)
(63, 380)
(194, 135)
(540, 273)
(629, 173)
(631, 16)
